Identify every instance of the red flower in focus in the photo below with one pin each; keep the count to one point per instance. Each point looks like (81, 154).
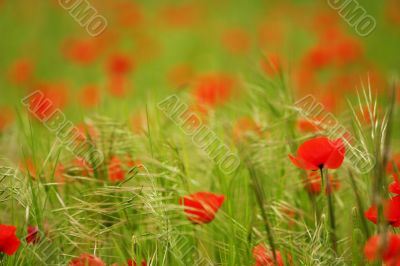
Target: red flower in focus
(86, 260)
(201, 207)
(389, 254)
(115, 170)
(213, 89)
(264, 257)
(319, 153)
(90, 96)
(33, 235)
(21, 71)
(9, 243)
(391, 211)
(119, 64)
(312, 183)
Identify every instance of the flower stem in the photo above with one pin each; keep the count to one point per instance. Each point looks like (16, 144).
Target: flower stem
(330, 209)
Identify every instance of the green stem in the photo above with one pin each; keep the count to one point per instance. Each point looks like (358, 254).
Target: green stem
(331, 210)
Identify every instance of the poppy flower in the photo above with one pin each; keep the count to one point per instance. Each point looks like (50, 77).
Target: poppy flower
(84, 168)
(201, 207)
(21, 71)
(394, 187)
(318, 153)
(213, 89)
(179, 16)
(271, 65)
(9, 243)
(308, 125)
(391, 212)
(119, 64)
(236, 41)
(33, 235)
(128, 14)
(390, 169)
(180, 75)
(132, 263)
(312, 183)
(115, 170)
(28, 167)
(245, 127)
(90, 96)
(118, 85)
(318, 57)
(86, 260)
(389, 254)
(82, 52)
(348, 51)
(264, 257)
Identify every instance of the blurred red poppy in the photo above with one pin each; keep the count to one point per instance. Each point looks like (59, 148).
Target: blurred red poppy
(90, 96)
(264, 257)
(81, 52)
(128, 14)
(388, 252)
(236, 41)
(213, 89)
(132, 263)
(119, 64)
(394, 187)
(180, 75)
(312, 183)
(86, 260)
(118, 86)
(318, 57)
(319, 153)
(28, 167)
(9, 243)
(21, 71)
(245, 127)
(271, 65)
(391, 211)
(348, 51)
(201, 207)
(116, 172)
(310, 125)
(33, 235)
(179, 16)
(6, 117)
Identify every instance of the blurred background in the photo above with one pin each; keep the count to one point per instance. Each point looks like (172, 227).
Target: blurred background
(207, 50)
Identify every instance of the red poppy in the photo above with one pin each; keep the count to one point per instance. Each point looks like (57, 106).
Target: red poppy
(391, 211)
(201, 207)
(9, 243)
(264, 257)
(86, 260)
(129, 14)
(390, 170)
(28, 167)
(312, 183)
(319, 153)
(115, 170)
(21, 71)
(118, 85)
(394, 187)
(132, 263)
(180, 75)
(389, 254)
(83, 166)
(348, 51)
(90, 96)
(182, 15)
(236, 41)
(318, 57)
(33, 235)
(82, 52)
(271, 65)
(309, 125)
(119, 64)
(244, 127)
(214, 89)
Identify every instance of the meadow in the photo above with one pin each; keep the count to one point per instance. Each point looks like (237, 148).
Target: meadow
(199, 132)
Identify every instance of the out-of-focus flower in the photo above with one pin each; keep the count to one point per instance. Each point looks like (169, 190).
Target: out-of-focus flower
(118, 86)
(86, 260)
(391, 212)
(33, 235)
(28, 167)
(317, 57)
(394, 187)
(90, 96)
(236, 41)
(119, 64)
(6, 118)
(116, 172)
(264, 257)
(132, 263)
(201, 207)
(214, 89)
(318, 153)
(180, 75)
(390, 170)
(271, 65)
(21, 71)
(9, 242)
(312, 183)
(310, 125)
(388, 251)
(245, 127)
(179, 16)
(128, 14)
(82, 52)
